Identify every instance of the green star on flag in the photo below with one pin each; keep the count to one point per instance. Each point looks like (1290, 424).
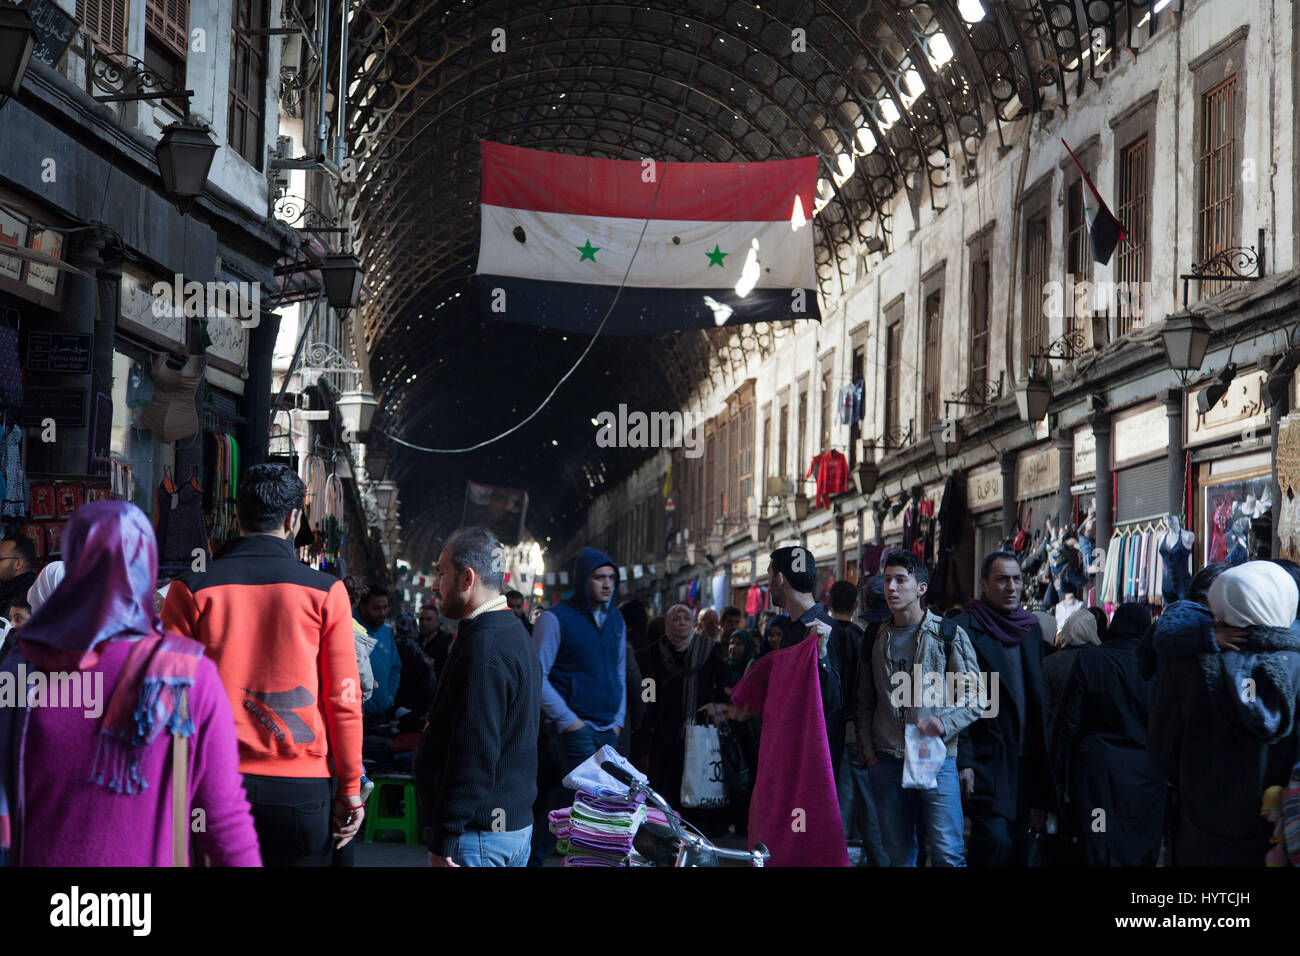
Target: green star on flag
(716, 256)
(588, 251)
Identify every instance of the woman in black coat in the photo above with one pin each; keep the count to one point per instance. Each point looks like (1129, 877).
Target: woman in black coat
(1116, 794)
(689, 673)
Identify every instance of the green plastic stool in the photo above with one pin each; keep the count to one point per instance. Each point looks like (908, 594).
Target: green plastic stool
(380, 817)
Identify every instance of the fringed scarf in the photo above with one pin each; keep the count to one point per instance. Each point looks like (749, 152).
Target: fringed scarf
(112, 563)
(697, 650)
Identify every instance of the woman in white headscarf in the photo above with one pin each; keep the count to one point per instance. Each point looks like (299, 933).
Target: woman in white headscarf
(45, 584)
(1083, 628)
(1224, 725)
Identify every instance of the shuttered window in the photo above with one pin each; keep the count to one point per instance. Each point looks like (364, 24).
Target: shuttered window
(1218, 158)
(1142, 492)
(169, 21)
(247, 81)
(105, 22)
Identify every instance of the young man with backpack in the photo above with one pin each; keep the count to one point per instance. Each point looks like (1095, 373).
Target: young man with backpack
(914, 652)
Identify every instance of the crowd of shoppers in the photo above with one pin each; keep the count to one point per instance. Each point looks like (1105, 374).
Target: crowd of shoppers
(1106, 738)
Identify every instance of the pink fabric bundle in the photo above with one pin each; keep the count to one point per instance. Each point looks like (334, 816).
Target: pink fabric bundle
(794, 810)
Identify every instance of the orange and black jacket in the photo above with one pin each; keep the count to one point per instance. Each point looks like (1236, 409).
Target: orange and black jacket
(280, 634)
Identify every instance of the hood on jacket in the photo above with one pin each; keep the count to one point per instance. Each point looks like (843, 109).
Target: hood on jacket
(588, 560)
(1261, 684)
(1186, 616)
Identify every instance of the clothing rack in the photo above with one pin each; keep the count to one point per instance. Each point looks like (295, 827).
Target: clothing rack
(1134, 569)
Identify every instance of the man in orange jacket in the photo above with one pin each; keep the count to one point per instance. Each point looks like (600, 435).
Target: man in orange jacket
(280, 634)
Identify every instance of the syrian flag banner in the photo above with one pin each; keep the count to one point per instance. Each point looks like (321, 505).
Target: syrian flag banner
(1105, 232)
(724, 244)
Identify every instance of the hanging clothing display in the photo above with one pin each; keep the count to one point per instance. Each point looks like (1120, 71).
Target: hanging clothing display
(180, 527)
(1134, 567)
(869, 559)
(224, 520)
(172, 415)
(832, 471)
(1177, 560)
(11, 375)
(849, 403)
(755, 600)
(12, 477)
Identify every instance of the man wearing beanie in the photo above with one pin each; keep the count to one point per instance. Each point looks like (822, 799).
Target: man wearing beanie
(791, 574)
(1223, 726)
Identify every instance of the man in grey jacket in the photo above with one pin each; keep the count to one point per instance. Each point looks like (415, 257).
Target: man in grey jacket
(921, 671)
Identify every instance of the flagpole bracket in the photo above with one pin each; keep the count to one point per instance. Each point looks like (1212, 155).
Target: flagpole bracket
(1234, 264)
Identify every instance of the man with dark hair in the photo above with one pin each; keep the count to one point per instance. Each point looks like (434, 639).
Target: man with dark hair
(280, 634)
(17, 568)
(791, 573)
(582, 644)
(916, 649)
(476, 767)
(515, 601)
(1010, 783)
(385, 661)
(729, 622)
(435, 640)
(636, 619)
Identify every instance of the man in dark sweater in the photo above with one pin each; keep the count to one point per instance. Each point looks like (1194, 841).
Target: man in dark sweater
(476, 767)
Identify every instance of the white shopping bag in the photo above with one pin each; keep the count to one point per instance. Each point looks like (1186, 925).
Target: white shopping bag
(923, 761)
(703, 784)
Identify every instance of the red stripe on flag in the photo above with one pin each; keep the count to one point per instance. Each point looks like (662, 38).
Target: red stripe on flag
(1087, 181)
(579, 185)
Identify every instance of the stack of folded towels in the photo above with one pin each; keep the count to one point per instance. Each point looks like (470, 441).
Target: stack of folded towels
(598, 829)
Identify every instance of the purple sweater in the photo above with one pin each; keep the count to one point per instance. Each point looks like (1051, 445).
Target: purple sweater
(72, 822)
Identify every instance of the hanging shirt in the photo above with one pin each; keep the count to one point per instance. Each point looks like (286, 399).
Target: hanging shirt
(832, 471)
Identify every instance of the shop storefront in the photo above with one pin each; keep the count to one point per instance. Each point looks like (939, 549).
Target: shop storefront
(852, 545)
(823, 545)
(984, 504)
(1231, 507)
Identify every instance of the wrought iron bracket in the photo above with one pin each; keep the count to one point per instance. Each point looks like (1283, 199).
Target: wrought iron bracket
(1067, 347)
(977, 396)
(894, 440)
(1234, 264)
(305, 216)
(123, 78)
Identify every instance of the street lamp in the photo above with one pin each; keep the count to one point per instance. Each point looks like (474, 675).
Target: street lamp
(17, 40)
(376, 464)
(184, 155)
(342, 274)
(357, 408)
(385, 492)
(1033, 396)
(1186, 337)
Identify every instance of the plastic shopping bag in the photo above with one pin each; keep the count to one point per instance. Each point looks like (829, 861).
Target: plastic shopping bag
(703, 781)
(923, 760)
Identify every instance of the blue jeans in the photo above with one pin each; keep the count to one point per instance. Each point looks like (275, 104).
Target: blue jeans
(858, 807)
(570, 748)
(901, 811)
(493, 848)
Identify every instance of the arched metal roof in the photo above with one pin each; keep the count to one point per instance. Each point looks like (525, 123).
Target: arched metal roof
(894, 96)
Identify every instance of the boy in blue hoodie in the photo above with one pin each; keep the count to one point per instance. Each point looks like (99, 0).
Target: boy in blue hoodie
(582, 644)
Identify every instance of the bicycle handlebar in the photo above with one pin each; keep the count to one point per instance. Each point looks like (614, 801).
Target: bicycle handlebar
(756, 856)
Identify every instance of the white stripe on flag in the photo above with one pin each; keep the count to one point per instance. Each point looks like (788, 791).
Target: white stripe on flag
(784, 256)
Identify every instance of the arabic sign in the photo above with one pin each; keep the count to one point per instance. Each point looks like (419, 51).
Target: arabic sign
(1241, 413)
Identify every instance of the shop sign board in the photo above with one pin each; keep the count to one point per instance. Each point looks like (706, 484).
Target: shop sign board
(1139, 434)
(58, 351)
(1038, 472)
(142, 312)
(13, 232)
(822, 544)
(851, 530)
(742, 571)
(984, 490)
(67, 406)
(1085, 451)
(54, 31)
(1241, 414)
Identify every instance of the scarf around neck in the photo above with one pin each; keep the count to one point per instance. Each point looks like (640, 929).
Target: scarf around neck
(697, 653)
(1009, 627)
(111, 562)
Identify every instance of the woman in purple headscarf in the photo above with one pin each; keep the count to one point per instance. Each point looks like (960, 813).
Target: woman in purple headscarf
(86, 766)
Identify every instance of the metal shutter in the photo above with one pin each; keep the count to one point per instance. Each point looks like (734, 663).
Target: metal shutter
(1142, 492)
